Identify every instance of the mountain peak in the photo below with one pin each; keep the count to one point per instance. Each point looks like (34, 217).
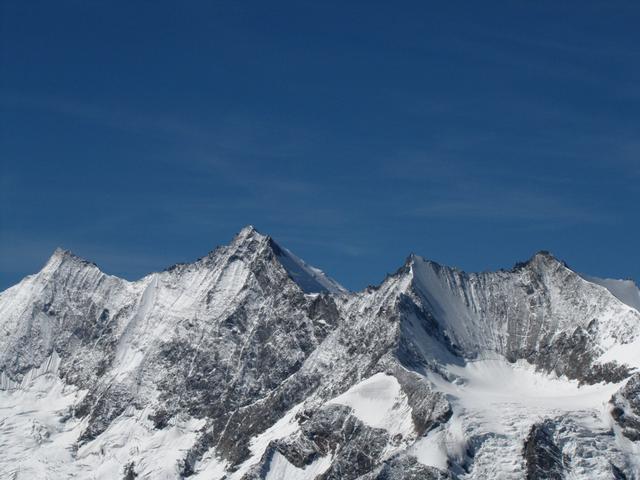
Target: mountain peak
(60, 252)
(540, 260)
(64, 262)
(544, 254)
(62, 255)
(248, 233)
(248, 241)
(248, 230)
(307, 277)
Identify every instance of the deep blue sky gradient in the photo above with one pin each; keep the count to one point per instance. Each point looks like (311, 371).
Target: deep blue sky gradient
(141, 134)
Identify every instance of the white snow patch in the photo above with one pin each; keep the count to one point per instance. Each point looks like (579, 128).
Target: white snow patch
(281, 469)
(37, 430)
(282, 428)
(432, 450)
(380, 403)
(131, 438)
(486, 383)
(627, 353)
(210, 467)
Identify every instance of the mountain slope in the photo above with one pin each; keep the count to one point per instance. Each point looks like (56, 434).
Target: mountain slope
(249, 363)
(624, 290)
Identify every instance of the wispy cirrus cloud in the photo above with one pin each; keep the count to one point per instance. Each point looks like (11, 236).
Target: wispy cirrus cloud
(220, 142)
(511, 205)
(453, 180)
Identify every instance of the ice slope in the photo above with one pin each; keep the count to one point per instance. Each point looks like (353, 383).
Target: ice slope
(310, 279)
(380, 403)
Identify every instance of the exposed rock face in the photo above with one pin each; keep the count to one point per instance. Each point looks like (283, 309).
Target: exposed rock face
(355, 447)
(249, 363)
(405, 467)
(542, 455)
(626, 408)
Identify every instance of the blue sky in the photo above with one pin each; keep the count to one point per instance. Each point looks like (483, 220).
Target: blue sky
(141, 134)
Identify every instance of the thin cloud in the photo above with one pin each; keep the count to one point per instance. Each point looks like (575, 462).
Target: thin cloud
(226, 143)
(116, 118)
(511, 205)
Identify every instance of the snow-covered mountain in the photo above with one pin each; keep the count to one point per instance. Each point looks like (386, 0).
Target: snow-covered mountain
(251, 364)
